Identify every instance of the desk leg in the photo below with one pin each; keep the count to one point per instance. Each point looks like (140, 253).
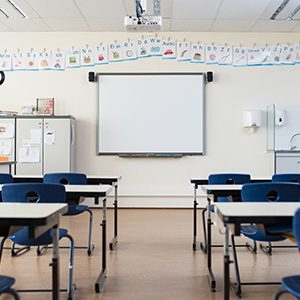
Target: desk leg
(226, 265)
(211, 276)
(101, 278)
(195, 219)
(114, 241)
(55, 265)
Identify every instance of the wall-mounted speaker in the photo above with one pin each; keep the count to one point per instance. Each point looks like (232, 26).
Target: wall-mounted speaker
(209, 76)
(2, 77)
(92, 77)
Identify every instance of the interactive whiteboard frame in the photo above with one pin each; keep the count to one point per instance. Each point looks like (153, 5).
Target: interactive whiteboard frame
(109, 114)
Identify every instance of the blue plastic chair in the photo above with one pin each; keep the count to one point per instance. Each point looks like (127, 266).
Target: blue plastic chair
(39, 193)
(6, 284)
(5, 178)
(291, 284)
(74, 207)
(222, 178)
(287, 177)
(265, 192)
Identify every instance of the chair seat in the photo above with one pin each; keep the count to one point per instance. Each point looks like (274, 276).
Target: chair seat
(292, 285)
(21, 237)
(252, 232)
(279, 229)
(6, 282)
(76, 209)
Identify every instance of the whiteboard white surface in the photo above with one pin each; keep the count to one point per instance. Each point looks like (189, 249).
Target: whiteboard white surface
(151, 113)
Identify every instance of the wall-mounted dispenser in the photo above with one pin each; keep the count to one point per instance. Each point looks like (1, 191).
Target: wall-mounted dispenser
(252, 119)
(280, 117)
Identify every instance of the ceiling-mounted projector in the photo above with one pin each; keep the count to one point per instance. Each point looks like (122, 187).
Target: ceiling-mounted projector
(142, 21)
(149, 23)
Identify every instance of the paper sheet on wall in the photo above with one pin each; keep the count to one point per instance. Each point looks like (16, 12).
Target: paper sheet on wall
(29, 154)
(5, 147)
(49, 137)
(35, 136)
(6, 130)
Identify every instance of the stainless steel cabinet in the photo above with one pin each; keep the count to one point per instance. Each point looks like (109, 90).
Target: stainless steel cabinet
(287, 162)
(40, 144)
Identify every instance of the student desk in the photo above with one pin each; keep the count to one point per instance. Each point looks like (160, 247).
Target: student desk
(96, 192)
(9, 164)
(216, 190)
(91, 179)
(39, 218)
(235, 214)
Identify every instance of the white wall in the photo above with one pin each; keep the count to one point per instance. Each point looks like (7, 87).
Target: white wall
(230, 148)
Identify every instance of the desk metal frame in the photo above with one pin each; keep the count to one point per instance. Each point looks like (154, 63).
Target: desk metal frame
(37, 226)
(87, 191)
(264, 214)
(94, 180)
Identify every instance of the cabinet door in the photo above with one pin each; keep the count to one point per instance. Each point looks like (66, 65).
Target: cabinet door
(7, 143)
(286, 164)
(29, 146)
(57, 143)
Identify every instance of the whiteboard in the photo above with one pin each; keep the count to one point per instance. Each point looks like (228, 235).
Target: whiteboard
(150, 114)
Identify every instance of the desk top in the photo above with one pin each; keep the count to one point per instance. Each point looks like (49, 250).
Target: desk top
(88, 188)
(91, 179)
(85, 188)
(221, 187)
(14, 211)
(255, 212)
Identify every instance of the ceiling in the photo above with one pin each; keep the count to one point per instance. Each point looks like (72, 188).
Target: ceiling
(178, 15)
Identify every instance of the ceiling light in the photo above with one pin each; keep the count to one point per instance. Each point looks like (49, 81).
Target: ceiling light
(17, 8)
(4, 13)
(279, 9)
(293, 13)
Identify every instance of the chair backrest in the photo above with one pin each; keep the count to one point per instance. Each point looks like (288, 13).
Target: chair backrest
(271, 191)
(296, 227)
(33, 192)
(65, 178)
(228, 178)
(289, 177)
(5, 178)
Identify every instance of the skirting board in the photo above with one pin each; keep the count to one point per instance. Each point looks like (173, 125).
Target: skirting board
(152, 202)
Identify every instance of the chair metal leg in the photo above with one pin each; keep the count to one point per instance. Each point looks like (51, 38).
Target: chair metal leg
(18, 251)
(266, 249)
(90, 246)
(12, 292)
(41, 249)
(71, 287)
(203, 245)
(252, 249)
(279, 293)
(1, 246)
(237, 284)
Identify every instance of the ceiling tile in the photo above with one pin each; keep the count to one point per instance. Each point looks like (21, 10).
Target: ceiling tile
(191, 25)
(195, 9)
(275, 4)
(26, 25)
(297, 27)
(247, 10)
(106, 24)
(67, 24)
(13, 13)
(55, 8)
(232, 25)
(3, 27)
(101, 9)
(273, 26)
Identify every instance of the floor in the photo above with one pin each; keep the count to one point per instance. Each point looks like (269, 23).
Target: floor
(153, 261)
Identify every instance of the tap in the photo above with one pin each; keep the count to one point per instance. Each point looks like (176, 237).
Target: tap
(291, 141)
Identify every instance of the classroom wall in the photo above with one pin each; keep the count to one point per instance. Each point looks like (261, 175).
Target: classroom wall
(161, 181)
